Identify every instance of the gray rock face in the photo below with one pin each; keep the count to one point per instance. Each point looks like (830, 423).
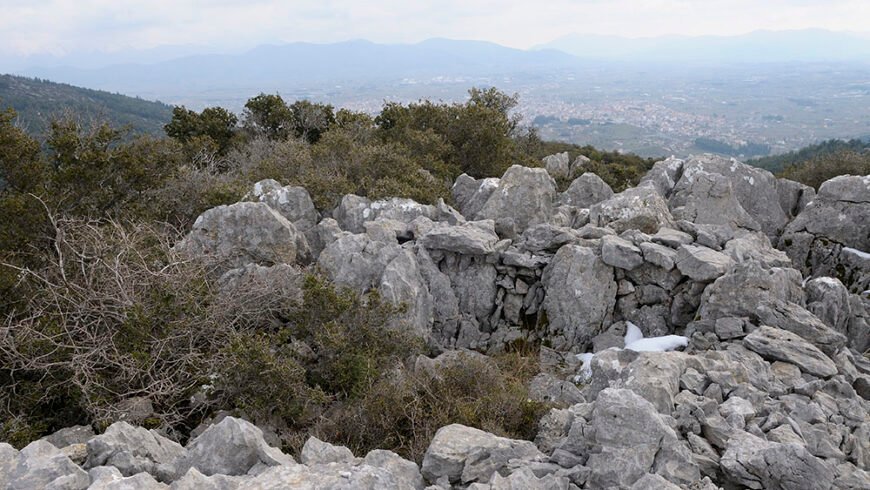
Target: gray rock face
(558, 165)
(581, 293)
(406, 473)
(139, 481)
(244, 233)
(472, 238)
(134, 450)
(701, 263)
(639, 208)
(8, 460)
(586, 190)
(40, 465)
(797, 320)
(741, 290)
(78, 434)
(231, 447)
(466, 455)
(755, 463)
(524, 195)
(621, 253)
(402, 284)
(707, 198)
(357, 261)
(838, 218)
(292, 202)
(471, 194)
(194, 480)
(316, 451)
(630, 432)
(754, 188)
(780, 345)
(793, 196)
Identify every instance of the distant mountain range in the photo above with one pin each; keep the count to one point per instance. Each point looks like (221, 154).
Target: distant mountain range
(755, 47)
(199, 72)
(283, 65)
(38, 101)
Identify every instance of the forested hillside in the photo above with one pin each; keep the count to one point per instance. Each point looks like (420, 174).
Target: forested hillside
(37, 102)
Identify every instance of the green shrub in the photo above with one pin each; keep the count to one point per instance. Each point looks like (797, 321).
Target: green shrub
(817, 170)
(403, 411)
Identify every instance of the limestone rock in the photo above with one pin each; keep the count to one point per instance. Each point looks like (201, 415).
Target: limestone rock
(243, 233)
(558, 165)
(585, 191)
(316, 451)
(756, 463)
(472, 238)
(231, 447)
(406, 473)
(701, 263)
(524, 195)
(465, 455)
(40, 465)
(640, 208)
(135, 450)
(621, 253)
(581, 293)
(779, 345)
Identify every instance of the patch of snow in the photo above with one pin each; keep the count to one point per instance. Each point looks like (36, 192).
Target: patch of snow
(830, 281)
(632, 333)
(658, 344)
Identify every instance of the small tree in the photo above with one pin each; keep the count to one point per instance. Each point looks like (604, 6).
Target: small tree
(269, 115)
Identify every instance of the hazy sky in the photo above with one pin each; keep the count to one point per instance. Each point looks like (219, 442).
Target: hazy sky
(64, 26)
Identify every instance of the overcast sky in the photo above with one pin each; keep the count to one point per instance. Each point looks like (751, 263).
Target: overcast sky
(64, 26)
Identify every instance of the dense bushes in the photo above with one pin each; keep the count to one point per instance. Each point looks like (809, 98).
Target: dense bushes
(816, 170)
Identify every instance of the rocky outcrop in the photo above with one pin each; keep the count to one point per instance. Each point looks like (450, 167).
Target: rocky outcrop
(831, 235)
(768, 389)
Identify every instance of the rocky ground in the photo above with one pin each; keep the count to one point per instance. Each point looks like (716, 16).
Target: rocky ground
(766, 280)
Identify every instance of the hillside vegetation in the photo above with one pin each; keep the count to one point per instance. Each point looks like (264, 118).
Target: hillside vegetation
(37, 102)
(778, 163)
(91, 217)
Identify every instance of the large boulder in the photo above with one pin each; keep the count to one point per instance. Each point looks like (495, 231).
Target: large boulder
(755, 189)
(466, 455)
(292, 202)
(471, 194)
(707, 198)
(586, 190)
(739, 292)
(755, 463)
(580, 296)
(134, 450)
(357, 261)
(558, 165)
(524, 196)
(39, 465)
(630, 433)
(701, 263)
(638, 208)
(231, 447)
(831, 234)
(244, 233)
(471, 238)
(776, 344)
(403, 285)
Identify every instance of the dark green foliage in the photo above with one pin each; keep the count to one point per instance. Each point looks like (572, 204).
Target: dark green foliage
(270, 116)
(476, 137)
(38, 102)
(745, 150)
(778, 163)
(214, 126)
(825, 166)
